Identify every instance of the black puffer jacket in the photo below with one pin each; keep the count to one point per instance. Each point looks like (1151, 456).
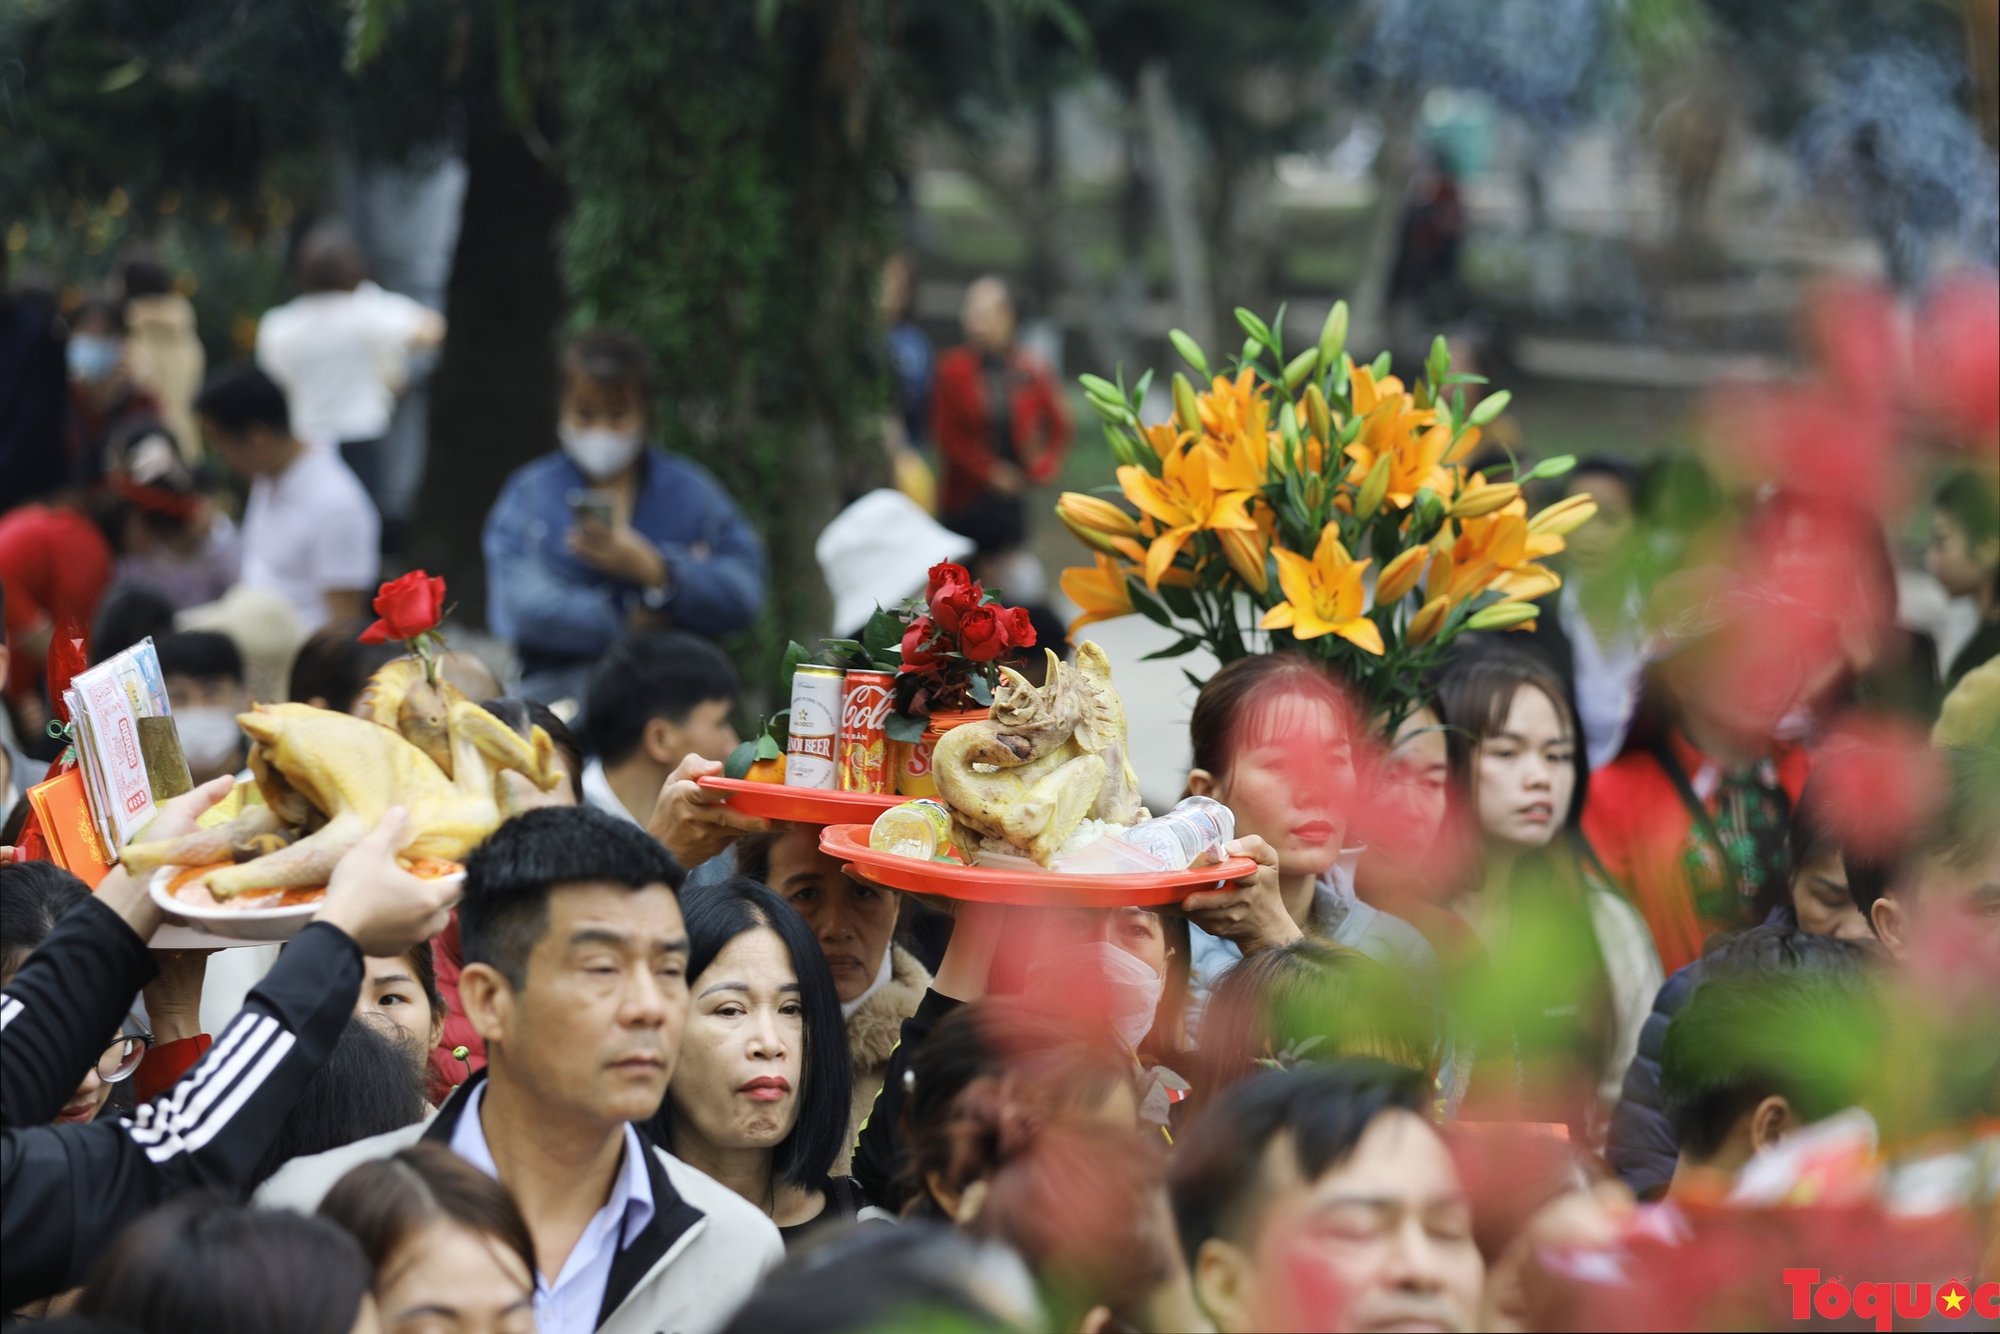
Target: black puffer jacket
(1641, 1147)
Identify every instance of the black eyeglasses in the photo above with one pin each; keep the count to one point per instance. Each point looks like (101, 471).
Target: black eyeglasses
(124, 1052)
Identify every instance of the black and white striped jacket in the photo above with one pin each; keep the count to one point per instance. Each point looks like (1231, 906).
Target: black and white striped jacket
(66, 1190)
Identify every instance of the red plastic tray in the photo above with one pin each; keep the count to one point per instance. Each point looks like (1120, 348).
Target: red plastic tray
(1037, 889)
(802, 805)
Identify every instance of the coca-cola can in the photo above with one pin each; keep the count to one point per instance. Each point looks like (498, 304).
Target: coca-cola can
(811, 755)
(864, 731)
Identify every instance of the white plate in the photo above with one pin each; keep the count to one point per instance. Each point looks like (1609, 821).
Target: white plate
(253, 925)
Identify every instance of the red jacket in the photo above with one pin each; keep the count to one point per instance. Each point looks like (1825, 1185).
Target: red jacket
(449, 1071)
(1041, 428)
(1639, 826)
(55, 565)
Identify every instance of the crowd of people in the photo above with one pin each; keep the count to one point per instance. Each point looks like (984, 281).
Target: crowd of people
(1653, 955)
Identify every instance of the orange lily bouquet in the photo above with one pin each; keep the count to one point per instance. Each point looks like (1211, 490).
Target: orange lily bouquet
(1252, 519)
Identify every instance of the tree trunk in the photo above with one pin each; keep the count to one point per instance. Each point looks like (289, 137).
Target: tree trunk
(493, 400)
(1369, 303)
(1173, 190)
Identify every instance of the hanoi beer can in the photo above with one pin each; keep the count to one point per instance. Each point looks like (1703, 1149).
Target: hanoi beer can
(864, 731)
(811, 757)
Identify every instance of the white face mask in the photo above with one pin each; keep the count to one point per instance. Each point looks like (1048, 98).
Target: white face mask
(209, 737)
(1134, 989)
(601, 453)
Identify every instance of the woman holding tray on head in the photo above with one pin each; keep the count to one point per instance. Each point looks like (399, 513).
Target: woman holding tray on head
(1274, 741)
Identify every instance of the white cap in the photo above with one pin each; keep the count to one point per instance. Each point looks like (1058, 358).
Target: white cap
(878, 552)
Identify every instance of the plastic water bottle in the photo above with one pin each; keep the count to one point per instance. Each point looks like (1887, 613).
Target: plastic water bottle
(1191, 834)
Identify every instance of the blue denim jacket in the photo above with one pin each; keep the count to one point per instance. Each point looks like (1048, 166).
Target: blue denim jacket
(554, 608)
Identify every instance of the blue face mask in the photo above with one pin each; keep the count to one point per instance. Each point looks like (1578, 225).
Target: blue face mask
(93, 357)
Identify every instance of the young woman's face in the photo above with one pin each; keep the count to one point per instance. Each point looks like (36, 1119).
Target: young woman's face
(392, 999)
(1416, 779)
(1963, 567)
(448, 1279)
(853, 922)
(742, 1065)
(1822, 903)
(1290, 780)
(1526, 772)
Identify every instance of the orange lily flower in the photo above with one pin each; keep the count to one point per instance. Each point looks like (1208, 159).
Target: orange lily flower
(1498, 551)
(1100, 590)
(1323, 595)
(1236, 432)
(1411, 438)
(1166, 438)
(1184, 500)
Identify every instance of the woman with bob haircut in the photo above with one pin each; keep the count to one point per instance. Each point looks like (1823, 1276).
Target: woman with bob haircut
(759, 1099)
(449, 1247)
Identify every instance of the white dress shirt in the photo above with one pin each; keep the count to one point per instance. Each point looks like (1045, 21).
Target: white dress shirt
(569, 1303)
(309, 531)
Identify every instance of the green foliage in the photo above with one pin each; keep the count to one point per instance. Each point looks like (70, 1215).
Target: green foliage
(727, 178)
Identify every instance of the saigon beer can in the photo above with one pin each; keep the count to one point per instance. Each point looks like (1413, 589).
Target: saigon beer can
(812, 753)
(864, 731)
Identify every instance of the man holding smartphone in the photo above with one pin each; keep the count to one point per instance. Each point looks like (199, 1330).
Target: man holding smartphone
(611, 534)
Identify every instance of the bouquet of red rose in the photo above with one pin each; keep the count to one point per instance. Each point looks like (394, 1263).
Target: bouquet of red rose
(945, 648)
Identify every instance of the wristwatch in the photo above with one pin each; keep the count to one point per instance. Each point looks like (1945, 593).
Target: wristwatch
(655, 598)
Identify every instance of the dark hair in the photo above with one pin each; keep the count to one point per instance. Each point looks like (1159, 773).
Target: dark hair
(1047, 1064)
(422, 958)
(101, 308)
(328, 260)
(1081, 1204)
(199, 653)
(205, 1265)
(1776, 1011)
(145, 277)
(525, 715)
(128, 614)
(237, 398)
(1310, 1002)
(1808, 836)
(367, 1086)
(334, 665)
(384, 1203)
(717, 914)
(509, 877)
(660, 675)
(1475, 694)
(921, 1275)
(609, 357)
(1321, 1112)
(1962, 827)
(1972, 502)
(33, 898)
(1226, 698)
(1622, 471)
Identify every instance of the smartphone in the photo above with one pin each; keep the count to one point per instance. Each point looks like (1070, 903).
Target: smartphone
(591, 507)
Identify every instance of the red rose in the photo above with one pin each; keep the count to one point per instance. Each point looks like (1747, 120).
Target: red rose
(409, 606)
(1020, 628)
(982, 633)
(915, 657)
(948, 608)
(944, 574)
